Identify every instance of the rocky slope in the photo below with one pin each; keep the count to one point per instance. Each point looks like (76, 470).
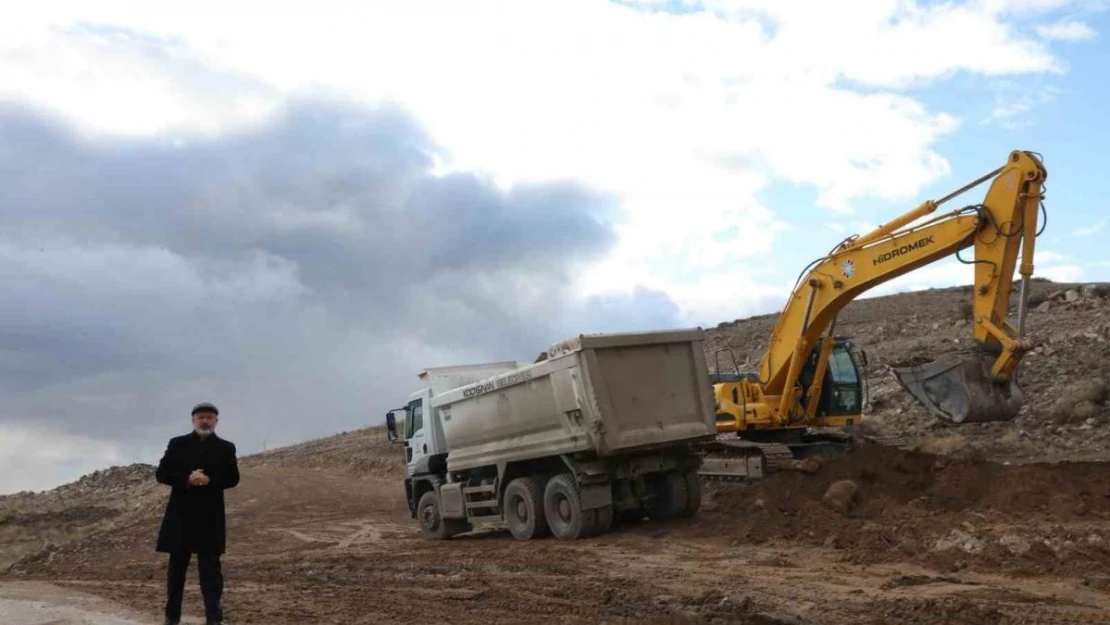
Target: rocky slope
(1064, 380)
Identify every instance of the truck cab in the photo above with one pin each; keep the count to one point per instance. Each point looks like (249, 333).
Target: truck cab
(425, 445)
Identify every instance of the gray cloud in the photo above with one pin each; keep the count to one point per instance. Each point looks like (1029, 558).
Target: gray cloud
(298, 274)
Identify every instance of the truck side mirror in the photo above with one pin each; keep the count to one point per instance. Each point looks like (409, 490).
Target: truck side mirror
(391, 424)
(390, 427)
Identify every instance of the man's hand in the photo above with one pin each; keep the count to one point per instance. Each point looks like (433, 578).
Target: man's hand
(198, 478)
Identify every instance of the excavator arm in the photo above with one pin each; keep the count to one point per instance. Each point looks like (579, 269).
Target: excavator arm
(999, 228)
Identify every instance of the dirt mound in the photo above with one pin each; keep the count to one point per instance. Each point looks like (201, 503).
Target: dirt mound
(361, 452)
(33, 523)
(948, 513)
(105, 483)
(1065, 379)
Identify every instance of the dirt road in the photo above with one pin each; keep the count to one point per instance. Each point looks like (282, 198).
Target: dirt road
(324, 547)
(40, 603)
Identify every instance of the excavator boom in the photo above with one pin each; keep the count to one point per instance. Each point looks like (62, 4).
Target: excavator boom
(999, 228)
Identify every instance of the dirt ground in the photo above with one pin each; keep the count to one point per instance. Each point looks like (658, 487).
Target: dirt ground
(990, 527)
(42, 603)
(925, 540)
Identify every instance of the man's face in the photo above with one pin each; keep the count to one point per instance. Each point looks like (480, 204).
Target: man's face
(204, 422)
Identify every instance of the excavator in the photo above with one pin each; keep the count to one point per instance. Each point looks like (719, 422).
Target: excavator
(810, 378)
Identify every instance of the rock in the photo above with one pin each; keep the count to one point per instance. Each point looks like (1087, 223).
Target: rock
(1071, 296)
(841, 495)
(959, 539)
(1084, 410)
(1016, 544)
(1089, 291)
(810, 465)
(1094, 391)
(1044, 306)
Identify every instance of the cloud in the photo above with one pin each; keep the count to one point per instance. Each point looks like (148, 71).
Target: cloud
(1067, 31)
(1014, 103)
(1093, 229)
(299, 274)
(691, 107)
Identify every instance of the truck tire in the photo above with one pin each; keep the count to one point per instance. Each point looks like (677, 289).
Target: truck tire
(563, 507)
(432, 524)
(524, 508)
(671, 498)
(693, 494)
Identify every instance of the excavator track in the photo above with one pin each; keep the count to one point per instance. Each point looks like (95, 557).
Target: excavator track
(733, 459)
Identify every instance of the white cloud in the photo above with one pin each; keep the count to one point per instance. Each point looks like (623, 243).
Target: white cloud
(1067, 31)
(686, 117)
(1093, 229)
(1015, 102)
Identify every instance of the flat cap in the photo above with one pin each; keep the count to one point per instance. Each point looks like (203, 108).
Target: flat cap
(205, 407)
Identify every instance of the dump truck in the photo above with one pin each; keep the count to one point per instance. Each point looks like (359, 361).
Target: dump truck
(599, 429)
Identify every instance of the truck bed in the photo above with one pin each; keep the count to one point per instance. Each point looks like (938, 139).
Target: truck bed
(608, 394)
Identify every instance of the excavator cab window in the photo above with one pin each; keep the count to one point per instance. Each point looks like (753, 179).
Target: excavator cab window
(841, 393)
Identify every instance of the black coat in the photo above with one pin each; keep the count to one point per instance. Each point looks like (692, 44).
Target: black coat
(194, 519)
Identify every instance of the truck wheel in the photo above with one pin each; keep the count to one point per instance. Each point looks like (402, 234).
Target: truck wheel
(432, 523)
(670, 499)
(563, 508)
(693, 493)
(524, 508)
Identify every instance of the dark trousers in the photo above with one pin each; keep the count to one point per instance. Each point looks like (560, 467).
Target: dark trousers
(211, 584)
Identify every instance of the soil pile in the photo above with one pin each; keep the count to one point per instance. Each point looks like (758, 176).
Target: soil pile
(1065, 380)
(361, 452)
(945, 512)
(37, 522)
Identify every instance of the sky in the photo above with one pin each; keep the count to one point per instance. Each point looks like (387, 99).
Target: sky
(290, 209)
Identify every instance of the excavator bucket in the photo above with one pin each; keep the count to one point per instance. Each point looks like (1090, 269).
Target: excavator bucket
(960, 389)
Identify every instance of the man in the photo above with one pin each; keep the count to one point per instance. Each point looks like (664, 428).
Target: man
(198, 466)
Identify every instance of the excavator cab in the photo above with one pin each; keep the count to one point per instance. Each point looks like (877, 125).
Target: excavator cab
(842, 390)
